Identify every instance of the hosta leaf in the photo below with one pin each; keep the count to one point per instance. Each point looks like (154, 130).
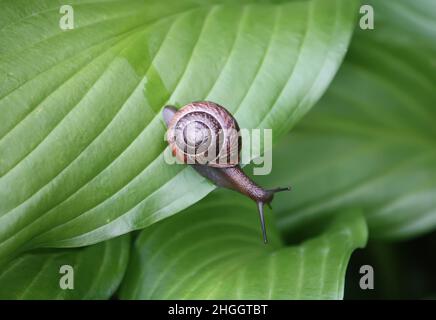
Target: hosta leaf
(96, 272)
(370, 142)
(214, 250)
(81, 134)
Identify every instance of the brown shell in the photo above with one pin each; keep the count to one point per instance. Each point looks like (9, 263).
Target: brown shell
(205, 133)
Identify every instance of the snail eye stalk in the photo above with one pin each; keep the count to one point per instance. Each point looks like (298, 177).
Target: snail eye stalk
(260, 205)
(262, 222)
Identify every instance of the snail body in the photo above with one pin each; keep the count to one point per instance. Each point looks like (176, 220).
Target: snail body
(206, 136)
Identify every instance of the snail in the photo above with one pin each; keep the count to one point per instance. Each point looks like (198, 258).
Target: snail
(206, 136)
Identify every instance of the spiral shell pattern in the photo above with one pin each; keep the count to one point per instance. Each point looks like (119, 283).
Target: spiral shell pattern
(205, 133)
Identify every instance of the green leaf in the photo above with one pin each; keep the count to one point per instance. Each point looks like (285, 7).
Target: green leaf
(97, 271)
(81, 132)
(370, 143)
(214, 250)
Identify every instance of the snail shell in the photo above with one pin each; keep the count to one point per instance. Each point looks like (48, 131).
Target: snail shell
(205, 133)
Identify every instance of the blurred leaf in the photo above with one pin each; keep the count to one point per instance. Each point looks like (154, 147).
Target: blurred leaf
(98, 270)
(214, 250)
(405, 22)
(370, 143)
(81, 134)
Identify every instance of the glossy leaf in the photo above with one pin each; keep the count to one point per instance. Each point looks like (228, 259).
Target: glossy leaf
(214, 250)
(96, 272)
(81, 134)
(370, 141)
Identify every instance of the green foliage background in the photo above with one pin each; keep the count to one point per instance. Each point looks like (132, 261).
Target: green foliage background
(81, 147)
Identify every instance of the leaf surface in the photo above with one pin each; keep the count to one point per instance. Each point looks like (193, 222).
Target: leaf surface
(96, 272)
(81, 132)
(214, 250)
